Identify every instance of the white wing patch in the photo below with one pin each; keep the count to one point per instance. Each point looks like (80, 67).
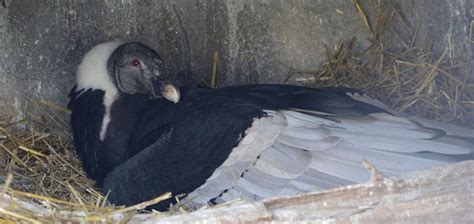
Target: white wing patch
(288, 153)
(92, 74)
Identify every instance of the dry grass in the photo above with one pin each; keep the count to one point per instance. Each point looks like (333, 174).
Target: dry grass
(43, 180)
(39, 166)
(403, 72)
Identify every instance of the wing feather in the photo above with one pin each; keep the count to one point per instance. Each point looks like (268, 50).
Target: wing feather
(291, 152)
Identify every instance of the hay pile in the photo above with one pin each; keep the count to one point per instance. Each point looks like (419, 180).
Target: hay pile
(42, 179)
(38, 165)
(400, 70)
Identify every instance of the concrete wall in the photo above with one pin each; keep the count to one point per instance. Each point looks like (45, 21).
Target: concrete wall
(41, 42)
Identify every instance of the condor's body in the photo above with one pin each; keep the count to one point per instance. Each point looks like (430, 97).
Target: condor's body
(253, 142)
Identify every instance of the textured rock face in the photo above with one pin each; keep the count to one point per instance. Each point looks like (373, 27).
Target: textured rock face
(258, 41)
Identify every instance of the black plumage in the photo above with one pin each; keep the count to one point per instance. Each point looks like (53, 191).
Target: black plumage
(86, 119)
(182, 144)
(253, 141)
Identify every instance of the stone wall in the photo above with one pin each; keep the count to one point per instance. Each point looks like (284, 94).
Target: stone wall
(42, 42)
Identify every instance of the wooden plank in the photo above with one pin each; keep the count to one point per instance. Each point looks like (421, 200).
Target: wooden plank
(440, 195)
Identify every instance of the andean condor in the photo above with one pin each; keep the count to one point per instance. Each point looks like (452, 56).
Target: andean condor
(254, 141)
(114, 84)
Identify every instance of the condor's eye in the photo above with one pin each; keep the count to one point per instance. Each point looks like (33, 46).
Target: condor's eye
(135, 62)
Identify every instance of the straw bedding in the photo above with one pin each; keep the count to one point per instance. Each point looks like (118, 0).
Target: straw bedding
(42, 179)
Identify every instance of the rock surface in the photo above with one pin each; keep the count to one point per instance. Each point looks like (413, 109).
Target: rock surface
(258, 41)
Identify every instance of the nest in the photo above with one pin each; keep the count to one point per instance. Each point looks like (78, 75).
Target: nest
(43, 180)
(402, 71)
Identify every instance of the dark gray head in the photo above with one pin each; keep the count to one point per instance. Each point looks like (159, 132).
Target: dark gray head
(136, 68)
(126, 68)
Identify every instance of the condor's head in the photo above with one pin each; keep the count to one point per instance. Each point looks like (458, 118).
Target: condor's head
(125, 68)
(136, 68)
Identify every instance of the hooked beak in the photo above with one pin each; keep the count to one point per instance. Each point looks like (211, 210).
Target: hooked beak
(171, 93)
(168, 91)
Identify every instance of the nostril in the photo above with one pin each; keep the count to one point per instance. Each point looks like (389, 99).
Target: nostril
(156, 72)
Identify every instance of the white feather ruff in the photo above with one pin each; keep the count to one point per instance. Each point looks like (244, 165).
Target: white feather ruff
(92, 74)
